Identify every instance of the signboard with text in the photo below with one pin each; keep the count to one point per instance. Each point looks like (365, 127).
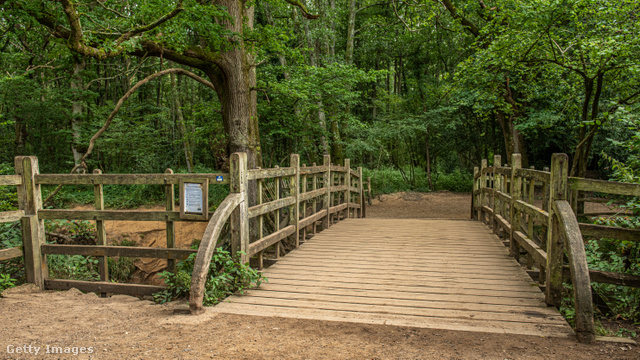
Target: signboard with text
(194, 199)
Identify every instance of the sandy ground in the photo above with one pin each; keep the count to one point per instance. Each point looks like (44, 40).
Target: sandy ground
(128, 328)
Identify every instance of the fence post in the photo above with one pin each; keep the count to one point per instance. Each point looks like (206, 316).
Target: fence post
(33, 236)
(101, 235)
(483, 184)
(240, 216)
(514, 215)
(555, 254)
(347, 182)
(497, 161)
(170, 198)
(294, 215)
(327, 198)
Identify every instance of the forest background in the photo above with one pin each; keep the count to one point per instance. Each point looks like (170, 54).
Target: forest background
(417, 92)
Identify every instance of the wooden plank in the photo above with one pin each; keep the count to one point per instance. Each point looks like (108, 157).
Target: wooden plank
(531, 174)
(269, 240)
(103, 287)
(313, 218)
(477, 315)
(309, 170)
(123, 215)
(603, 186)
(271, 206)
(354, 206)
(10, 253)
(338, 168)
(371, 299)
(339, 188)
(337, 208)
(602, 231)
(540, 215)
(607, 277)
(112, 251)
(397, 320)
(101, 234)
(256, 174)
(312, 194)
(539, 255)
(126, 179)
(10, 216)
(7, 180)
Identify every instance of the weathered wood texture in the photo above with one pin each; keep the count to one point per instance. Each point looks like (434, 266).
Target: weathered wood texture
(103, 287)
(120, 251)
(398, 272)
(10, 253)
(125, 179)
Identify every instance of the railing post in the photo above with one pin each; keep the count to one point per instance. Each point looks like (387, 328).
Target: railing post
(101, 235)
(294, 216)
(361, 193)
(240, 217)
(497, 161)
(347, 182)
(483, 184)
(514, 215)
(555, 254)
(314, 187)
(474, 194)
(326, 222)
(33, 236)
(170, 198)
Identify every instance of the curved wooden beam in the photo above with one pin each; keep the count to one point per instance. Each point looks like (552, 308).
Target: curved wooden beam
(207, 246)
(568, 224)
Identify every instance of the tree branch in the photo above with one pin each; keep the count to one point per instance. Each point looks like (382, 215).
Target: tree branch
(303, 9)
(92, 142)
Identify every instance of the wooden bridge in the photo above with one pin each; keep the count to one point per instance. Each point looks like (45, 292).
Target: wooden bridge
(443, 274)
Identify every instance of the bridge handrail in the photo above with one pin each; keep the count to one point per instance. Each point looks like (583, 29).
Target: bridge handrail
(570, 232)
(504, 198)
(207, 246)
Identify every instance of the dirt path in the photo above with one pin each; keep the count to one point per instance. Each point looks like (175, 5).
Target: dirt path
(127, 328)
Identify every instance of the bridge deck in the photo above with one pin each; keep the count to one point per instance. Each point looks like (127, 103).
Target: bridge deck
(442, 274)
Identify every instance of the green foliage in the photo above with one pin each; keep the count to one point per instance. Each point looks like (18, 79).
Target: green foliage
(387, 180)
(6, 282)
(226, 276)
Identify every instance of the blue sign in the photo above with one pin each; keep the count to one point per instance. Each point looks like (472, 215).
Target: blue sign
(219, 178)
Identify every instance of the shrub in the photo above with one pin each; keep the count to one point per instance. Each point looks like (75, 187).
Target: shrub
(226, 276)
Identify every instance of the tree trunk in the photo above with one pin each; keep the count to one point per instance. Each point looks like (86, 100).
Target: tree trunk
(351, 31)
(77, 107)
(184, 134)
(513, 139)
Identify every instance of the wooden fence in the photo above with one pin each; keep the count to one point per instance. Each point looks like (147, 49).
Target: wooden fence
(299, 195)
(545, 228)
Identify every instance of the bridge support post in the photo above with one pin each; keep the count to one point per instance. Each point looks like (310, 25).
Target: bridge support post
(516, 194)
(347, 193)
(557, 191)
(483, 184)
(240, 216)
(360, 193)
(33, 236)
(497, 161)
(294, 217)
(326, 204)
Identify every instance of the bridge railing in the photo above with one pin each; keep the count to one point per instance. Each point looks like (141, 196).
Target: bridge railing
(265, 207)
(536, 211)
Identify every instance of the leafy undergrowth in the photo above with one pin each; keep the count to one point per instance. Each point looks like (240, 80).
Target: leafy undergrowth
(227, 275)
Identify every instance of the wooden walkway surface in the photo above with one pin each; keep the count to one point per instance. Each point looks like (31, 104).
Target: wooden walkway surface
(441, 274)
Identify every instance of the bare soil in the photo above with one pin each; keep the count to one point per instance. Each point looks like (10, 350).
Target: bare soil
(128, 328)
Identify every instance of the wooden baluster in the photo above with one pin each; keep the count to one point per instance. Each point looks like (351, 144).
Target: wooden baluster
(260, 221)
(314, 187)
(497, 160)
(277, 187)
(169, 192)
(327, 198)
(303, 189)
(347, 182)
(483, 184)
(531, 188)
(516, 194)
(294, 211)
(101, 235)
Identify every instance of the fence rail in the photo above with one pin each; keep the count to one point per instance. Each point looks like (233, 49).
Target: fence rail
(536, 211)
(287, 204)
